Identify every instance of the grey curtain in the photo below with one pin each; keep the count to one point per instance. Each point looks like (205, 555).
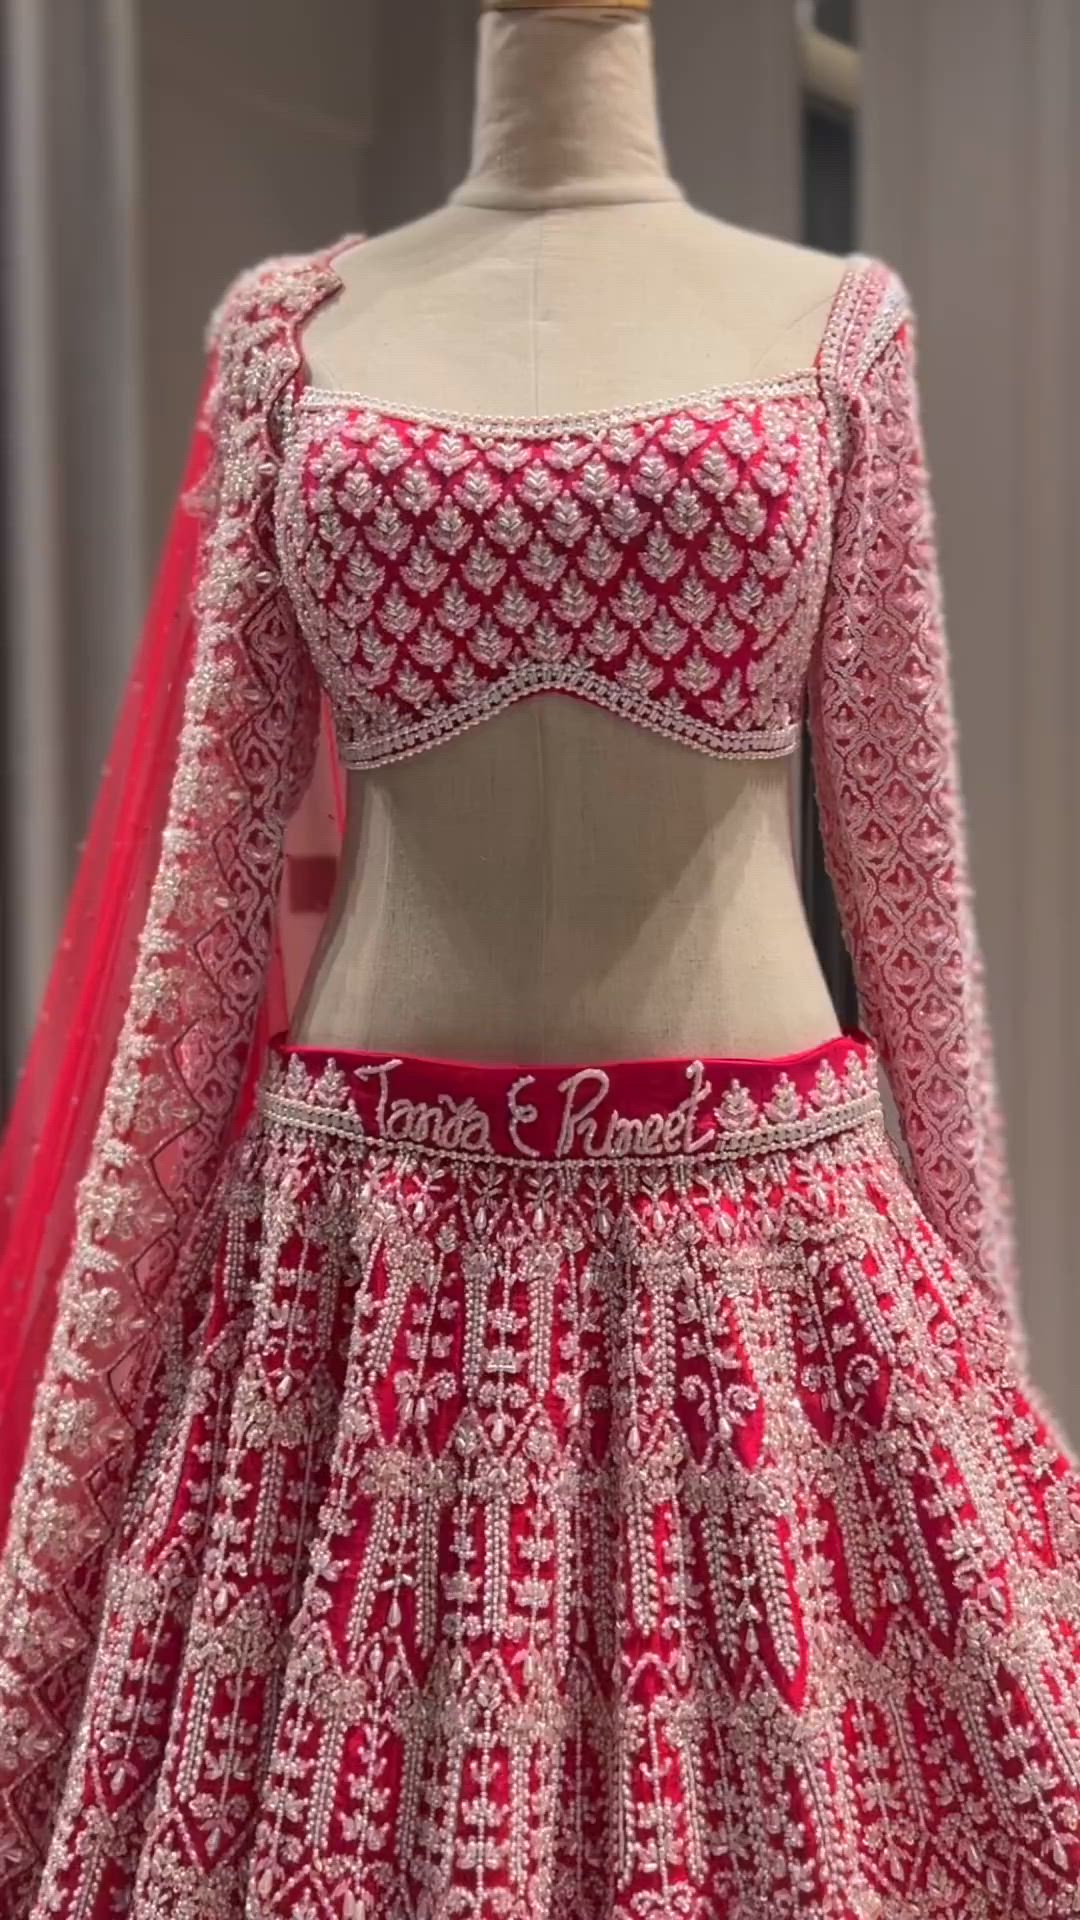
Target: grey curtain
(71, 534)
(150, 151)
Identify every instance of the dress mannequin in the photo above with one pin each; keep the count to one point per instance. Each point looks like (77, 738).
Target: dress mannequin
(556, 884)
(424, 1446)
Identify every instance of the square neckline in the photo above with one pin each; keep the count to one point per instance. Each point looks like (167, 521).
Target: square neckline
(585, 421)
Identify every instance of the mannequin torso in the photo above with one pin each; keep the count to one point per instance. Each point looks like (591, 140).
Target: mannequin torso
(556, 883)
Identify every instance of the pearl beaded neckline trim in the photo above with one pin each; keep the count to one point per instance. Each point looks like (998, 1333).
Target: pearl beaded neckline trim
(588, 419)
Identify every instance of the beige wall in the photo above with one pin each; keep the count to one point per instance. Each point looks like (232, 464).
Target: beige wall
(730, 98)
(254, 128)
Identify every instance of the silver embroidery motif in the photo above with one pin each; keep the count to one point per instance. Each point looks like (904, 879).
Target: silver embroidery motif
(726, 1452)
(669, 568)
(556, 1537)
(244, 754)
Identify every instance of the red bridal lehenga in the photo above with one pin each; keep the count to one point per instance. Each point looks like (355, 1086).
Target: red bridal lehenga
(450, 1491)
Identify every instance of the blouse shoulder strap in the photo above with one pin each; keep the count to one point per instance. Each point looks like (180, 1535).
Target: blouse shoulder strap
(282, 287)
(870, 303)
(258, 321)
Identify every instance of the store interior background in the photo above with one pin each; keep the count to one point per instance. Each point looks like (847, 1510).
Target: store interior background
(151, 150)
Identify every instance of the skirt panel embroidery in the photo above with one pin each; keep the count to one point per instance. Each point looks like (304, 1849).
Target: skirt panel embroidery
(582, 1529)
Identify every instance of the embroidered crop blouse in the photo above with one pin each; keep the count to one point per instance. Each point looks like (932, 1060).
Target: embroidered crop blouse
(716, 567)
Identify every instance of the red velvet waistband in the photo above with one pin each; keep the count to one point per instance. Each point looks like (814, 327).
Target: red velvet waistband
(659, 1108)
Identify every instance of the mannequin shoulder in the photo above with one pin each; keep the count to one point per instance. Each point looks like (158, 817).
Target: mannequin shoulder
(814, 305)
(804, 277)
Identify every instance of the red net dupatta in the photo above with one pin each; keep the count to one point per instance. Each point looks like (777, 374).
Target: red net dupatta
(179, 951)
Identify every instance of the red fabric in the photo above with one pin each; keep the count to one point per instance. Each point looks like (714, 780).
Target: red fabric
(887, 773)
(172, 971)
(57, 1107)
(706, 568)
(586, 1534)
(58, 1101)
(554, 1111)
(666, 564)
(698, 569)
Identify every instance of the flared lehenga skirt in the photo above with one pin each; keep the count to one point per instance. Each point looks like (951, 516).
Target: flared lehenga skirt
(582, 1494)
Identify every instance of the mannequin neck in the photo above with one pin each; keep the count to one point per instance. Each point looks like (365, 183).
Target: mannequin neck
(566, 112)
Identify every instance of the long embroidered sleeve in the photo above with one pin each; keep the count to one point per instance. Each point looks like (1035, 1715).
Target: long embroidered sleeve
(174, 923)
(884, 744)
